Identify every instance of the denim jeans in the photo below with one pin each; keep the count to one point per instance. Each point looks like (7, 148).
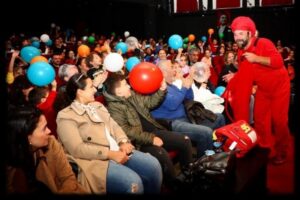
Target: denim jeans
(140, 174)
(219, 122)
(200, 134)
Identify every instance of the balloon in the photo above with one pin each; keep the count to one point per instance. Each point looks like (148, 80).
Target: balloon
(132, 42)
(122, 46)
(91, 39)
(113, 34)
(113, 62)
(126, 34)
(191, 37)
(184, 46)
(83, 50)
(53, 25)
(221, 35)
(29, 52)
(49, 43)
(210, 31)
(84, 38)
(40, 73)
(44, 38)
(35, 44)
(186, 40)
(204, 38)
(219, 90)
(145, 78)
(175, 41)
(131, 62)
(39, 59)
(34, 39)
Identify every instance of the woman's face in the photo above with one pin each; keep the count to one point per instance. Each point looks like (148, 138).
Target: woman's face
(87, 94)
(40, 136)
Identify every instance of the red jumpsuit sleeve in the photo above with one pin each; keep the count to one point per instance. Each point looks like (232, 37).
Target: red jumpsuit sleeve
(266, 48)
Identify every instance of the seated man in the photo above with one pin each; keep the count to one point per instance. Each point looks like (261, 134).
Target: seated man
(132, 112)
(172, 108)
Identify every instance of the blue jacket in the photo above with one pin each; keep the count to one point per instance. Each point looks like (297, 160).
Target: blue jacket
(172, 107)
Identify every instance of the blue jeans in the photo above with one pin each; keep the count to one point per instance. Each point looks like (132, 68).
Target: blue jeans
(142, 173)
(200, 134)
(219, 122)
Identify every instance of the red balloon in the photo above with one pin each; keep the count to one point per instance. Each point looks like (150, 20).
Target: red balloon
(145, 78)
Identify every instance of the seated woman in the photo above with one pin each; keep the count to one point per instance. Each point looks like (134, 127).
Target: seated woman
(107, 160)
(36, 162)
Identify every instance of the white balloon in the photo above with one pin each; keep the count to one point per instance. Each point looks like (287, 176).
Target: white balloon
(132, 42)
(53, 25)
(113, 62)
(58, 28)
(126, 33)
(84, 38)
(45, 38)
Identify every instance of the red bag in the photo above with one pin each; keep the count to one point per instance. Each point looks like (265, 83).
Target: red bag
(238, 136)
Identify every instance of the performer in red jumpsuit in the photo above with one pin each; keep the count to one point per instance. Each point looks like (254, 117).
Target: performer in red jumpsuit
(261, 64)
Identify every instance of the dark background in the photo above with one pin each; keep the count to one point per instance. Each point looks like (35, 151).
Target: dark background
(142, 18)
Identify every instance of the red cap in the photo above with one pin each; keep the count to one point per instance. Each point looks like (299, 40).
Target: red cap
(244, 24)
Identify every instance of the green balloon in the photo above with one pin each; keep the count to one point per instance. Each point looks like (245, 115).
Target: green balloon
(186, 40)
(91, 39)
(184, 46)
(221, 35)
(113, 34)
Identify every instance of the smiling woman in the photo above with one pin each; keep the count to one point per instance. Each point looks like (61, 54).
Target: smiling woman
(36, 163)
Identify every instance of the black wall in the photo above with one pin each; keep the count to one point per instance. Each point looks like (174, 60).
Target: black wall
(140, 18)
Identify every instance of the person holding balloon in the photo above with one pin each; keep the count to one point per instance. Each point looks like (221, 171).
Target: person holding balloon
(172, 109)
(108, 162)
(131, 111)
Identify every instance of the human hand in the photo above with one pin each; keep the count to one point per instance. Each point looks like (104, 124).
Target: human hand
(157, 141)
(251, 57)
(163, 85)
(127, 148)
(118, 156)
(228, 77)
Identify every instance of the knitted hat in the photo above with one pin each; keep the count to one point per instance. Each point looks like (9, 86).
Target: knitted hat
(244, 24)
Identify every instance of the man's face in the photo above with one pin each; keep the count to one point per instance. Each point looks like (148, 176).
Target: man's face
(241, 38)
(223, 19)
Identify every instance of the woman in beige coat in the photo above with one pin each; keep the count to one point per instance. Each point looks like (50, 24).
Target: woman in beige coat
(36, 162)
(107, 160)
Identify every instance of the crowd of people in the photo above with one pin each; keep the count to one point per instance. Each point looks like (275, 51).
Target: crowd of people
(89, 132)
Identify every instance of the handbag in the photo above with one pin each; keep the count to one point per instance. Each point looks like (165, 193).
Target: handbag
(238, 136)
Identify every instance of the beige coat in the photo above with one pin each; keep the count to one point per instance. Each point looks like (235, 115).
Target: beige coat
(53, 170)
(83, 137)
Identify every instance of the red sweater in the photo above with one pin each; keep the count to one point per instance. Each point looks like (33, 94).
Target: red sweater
(47, 109)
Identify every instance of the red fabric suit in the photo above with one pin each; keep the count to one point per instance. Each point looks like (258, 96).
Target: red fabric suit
(271, 99)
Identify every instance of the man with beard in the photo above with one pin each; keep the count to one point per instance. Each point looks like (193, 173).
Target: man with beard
(261, 64)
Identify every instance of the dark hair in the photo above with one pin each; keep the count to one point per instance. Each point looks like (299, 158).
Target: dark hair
(112, 82)
(65, 98)
(15, 94)
(21, 123)
(35, 95)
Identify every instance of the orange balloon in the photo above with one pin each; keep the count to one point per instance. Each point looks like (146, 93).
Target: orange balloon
(83, 50)
(39, 58)
(191, 37)
(211, 31)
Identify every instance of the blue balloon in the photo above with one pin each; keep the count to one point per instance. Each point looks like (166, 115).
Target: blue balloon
(35, 44)
(40, 73)
(131, 62)
(122, 46)
(175, 41)
(204, 38)
(29, 52)
(49, 43)
(219, 90)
